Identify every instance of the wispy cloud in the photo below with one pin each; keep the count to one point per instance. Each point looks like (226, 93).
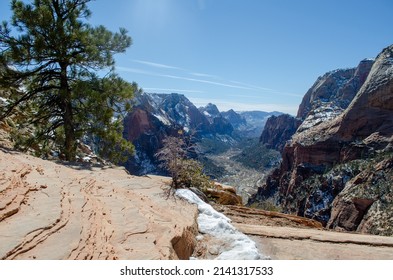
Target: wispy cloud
(267, 90)
(251, 86)
(134, 70)
(199, 78)
(156, 65)
(206, 82)
(172, 90)
(140, 71)
(204, 75)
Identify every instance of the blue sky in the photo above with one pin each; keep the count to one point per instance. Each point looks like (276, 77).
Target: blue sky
(242, 54)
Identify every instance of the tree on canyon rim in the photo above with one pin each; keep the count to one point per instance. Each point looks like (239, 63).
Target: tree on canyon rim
(50, 58)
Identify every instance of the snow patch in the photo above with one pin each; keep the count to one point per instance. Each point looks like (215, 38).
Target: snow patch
(162, 119)
(240, 247)
(206, 114)
(86, 159)
(4, 100)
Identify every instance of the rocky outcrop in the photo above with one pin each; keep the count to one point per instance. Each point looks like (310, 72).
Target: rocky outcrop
(278, 130)
(337, 87)
(326, 99)
(366, 203)
(251, 216)
(224, 195)
(320, 163)
(53, 211)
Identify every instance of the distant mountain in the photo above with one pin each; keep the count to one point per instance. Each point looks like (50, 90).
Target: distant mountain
(218, 123)
(238, 122)
(248, 124)
(210, 111)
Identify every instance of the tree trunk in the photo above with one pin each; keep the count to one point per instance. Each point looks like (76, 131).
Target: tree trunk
(69, 130)
(70, 141)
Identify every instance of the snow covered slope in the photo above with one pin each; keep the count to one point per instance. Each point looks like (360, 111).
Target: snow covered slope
(237, 246)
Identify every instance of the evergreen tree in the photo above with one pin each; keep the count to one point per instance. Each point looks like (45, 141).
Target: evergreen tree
(50, 59)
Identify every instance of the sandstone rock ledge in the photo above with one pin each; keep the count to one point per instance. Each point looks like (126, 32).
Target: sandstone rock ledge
(52, 211)
(288, 237)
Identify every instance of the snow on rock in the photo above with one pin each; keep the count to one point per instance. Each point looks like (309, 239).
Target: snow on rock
(4, 100)
(162, 119)
(240, 247)
(325, 111)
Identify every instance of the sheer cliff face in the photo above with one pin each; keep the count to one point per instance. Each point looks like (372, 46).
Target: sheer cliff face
(337, 87)
(278, 130)
(326, 99)
(321, 165)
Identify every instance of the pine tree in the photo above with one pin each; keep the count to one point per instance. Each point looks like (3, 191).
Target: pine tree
(50, 59)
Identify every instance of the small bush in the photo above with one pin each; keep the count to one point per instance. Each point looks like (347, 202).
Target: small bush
(190, 174)
(267, 205)
(185, 173)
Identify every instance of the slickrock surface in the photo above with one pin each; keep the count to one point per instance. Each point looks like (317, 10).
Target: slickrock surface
(289, 237)
(52, 211)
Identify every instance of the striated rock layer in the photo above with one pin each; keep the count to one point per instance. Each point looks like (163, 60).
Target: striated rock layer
(324, 169)
(52, 211)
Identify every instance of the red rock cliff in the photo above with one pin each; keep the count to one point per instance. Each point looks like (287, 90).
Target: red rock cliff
(323, 160)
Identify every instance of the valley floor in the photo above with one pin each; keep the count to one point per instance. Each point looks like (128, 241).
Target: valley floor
(236, 174)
